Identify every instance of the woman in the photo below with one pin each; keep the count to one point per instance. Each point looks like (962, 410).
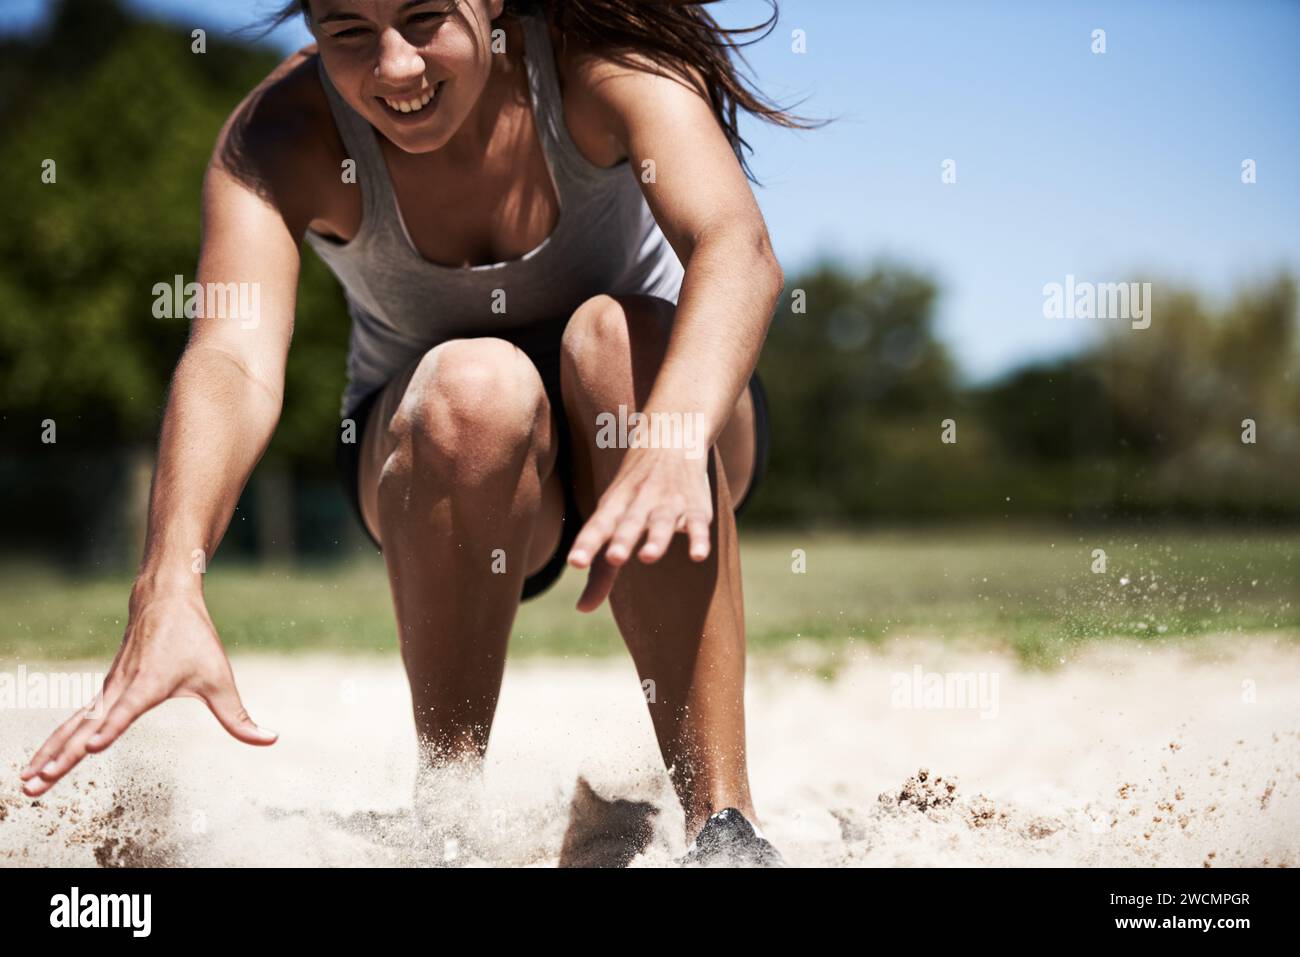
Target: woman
(508, 194)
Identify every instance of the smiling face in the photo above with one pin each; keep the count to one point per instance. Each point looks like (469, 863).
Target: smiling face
(413, 68)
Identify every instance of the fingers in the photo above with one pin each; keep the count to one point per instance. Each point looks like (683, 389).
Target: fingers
(618, 533)
(53, 744)
(83, 734)
(697, 530)
(73, 747)
(229, 710)
(635, 509)
(595, 533)
(626, 534)
(133, 703)
(600, 582)
(661, 529)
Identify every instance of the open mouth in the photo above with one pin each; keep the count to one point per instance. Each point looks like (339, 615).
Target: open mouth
(412, 105)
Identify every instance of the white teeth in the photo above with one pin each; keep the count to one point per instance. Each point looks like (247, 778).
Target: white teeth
(410, 106)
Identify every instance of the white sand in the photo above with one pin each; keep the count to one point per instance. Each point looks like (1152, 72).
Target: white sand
(1126, 756)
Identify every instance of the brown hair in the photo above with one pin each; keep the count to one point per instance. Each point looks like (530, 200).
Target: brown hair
(676, 35)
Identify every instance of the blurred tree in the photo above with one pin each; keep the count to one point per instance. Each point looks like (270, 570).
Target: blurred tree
(79, 257)
(852, 375)
(1051, 413)
(1183, 387)
(129, 114)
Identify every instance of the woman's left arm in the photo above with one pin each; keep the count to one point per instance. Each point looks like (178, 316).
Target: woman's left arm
(702, 201)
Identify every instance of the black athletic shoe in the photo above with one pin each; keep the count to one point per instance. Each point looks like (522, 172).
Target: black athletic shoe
(728, 840)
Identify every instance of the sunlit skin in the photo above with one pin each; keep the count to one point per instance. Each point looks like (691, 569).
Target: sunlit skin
(465, 435)
(373, 49)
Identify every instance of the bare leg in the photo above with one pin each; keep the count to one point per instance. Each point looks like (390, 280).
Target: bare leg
(683, 621)
(456, 483)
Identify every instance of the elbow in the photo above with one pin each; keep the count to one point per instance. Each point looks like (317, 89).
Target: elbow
(778, 279)
(768, 265)
(747, 249)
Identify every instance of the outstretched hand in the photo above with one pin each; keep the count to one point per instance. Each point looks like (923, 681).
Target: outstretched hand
(170, 650)
(656, 494)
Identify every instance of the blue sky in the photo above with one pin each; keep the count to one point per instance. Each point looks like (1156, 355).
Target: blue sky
(1119, 166)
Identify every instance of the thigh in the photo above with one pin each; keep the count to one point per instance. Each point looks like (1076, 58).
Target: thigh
(738, 447)
(378, 443)
(648, 322)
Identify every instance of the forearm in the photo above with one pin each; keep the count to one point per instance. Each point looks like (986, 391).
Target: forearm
(728, 296)
(218, 423)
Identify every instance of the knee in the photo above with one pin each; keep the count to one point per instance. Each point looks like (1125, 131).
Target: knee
(605, 333)
(472, 410)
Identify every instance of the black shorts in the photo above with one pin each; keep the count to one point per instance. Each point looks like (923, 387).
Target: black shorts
(542, 346)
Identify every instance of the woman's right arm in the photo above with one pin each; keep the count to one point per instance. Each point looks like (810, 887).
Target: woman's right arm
(222, 408)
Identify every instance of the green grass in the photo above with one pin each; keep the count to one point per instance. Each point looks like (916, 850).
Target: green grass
(1030, 590)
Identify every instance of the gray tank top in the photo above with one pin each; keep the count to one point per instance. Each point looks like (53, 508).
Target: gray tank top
(606, 241)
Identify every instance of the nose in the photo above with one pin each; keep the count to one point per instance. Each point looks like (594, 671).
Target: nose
(399, 63)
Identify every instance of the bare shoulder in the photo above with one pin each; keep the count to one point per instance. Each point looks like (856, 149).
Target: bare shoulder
(604, 94)
(281, 141)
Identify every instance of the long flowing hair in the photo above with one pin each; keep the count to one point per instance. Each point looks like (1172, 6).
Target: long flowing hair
(678, 36)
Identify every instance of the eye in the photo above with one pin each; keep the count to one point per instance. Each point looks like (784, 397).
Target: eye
(349, 34)
(426, 21)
